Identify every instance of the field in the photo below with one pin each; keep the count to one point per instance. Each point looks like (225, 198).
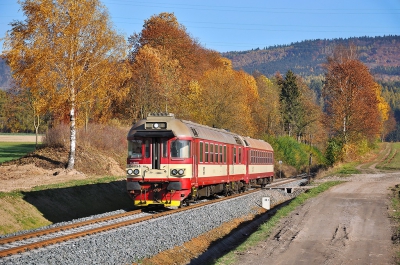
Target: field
(14, 146)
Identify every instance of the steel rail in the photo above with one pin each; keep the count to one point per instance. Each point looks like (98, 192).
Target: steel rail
(60, 239)
(21, 237)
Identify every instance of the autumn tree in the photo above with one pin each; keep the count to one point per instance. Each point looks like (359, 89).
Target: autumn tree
(174, 61)
(268, 118)
(222, 98)
(309, 126)
(154, 83)
(350, 97)
(65, 53)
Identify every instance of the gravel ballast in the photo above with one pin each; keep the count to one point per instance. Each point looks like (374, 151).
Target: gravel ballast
(135, 242)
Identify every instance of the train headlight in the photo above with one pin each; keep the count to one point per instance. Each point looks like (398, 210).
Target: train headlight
(155, 125)
(129, 171)
(136, 171)
(174, 172)
(181, 171)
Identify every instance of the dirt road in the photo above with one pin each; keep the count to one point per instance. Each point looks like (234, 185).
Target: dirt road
(348, 224)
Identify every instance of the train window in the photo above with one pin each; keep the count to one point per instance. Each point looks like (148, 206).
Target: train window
(240, 155)
(211, 153)
(234, 155)
(164, 148)
(206, 153)
(216, 153)
(180, 149)
(201, 152)
(220, 153)
(135, 149)
(225, 154)
(147, 148)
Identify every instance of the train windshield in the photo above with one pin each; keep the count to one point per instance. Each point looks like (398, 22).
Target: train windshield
(135, 148)
(180, 149)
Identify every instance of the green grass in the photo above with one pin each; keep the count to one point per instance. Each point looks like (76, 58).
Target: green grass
(347, 169)
(77, 183)
(10, 151)
(265, 229)
(392, 161)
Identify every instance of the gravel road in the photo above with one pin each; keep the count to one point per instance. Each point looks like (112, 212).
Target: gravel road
(347, 224)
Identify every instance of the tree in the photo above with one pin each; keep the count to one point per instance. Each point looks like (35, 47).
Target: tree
(350, 97)
(268, 118)
(221, 99)
(65, 53)
(289, 97)
(175, 62)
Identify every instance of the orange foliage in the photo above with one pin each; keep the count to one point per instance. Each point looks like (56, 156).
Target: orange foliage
(351, 98)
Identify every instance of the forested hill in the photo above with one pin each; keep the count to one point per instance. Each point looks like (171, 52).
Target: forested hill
(380, 54)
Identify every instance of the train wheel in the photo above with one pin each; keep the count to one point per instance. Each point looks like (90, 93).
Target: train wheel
(184, 203)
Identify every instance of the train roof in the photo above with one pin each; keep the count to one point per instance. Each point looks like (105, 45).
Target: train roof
(168, 126)
(258, 144)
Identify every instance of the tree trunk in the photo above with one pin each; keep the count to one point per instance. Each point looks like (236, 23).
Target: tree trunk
(36, 124)
(71, 159)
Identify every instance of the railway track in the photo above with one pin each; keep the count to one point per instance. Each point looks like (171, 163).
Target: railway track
(39, 239)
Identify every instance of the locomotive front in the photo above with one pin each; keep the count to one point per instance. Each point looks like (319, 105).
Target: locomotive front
(159, 164)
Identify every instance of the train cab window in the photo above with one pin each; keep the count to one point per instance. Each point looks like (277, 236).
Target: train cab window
(201, 152)
(180, 149)
(206, 153)
(234, 155)
(135, 149)
(164, 148)
(240, 155)
(147, 148)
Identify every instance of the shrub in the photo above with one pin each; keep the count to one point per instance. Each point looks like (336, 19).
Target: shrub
(109, 139)
(57, 137)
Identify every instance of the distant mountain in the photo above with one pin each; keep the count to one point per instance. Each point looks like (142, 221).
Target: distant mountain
(380, 54)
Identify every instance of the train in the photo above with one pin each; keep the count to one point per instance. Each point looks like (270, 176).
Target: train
(173, 162)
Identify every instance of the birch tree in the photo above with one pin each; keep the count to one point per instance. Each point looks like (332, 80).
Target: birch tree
(351, 98)
(64, 53)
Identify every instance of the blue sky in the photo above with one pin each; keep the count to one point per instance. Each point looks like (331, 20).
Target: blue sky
(244, 25)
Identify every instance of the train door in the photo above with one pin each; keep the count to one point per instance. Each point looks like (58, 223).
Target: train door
(156, 149)
(195, 162)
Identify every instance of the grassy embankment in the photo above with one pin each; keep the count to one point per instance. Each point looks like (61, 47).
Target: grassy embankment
(44, 205)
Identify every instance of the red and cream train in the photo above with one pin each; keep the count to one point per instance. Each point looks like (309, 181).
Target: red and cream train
(172, 162)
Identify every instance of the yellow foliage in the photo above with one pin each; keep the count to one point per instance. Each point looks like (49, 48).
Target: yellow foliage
(383, 106)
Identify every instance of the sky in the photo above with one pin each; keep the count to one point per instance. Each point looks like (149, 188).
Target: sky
(244, 25)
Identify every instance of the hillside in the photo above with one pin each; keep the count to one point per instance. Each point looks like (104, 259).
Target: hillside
(380, 54)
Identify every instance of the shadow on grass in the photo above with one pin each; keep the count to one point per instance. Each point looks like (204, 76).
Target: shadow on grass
(65, 204)
(11, 151)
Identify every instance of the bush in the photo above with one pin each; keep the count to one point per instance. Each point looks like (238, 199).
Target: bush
(334, 151)
(57, 137)
(295, 154)
(109, 139)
